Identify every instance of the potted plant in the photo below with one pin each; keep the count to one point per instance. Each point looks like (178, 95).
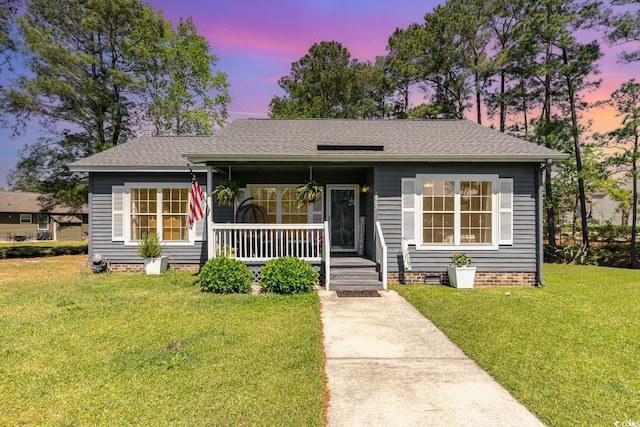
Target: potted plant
(310, 192)
(226, 193)
(150, 249)
(461, 274)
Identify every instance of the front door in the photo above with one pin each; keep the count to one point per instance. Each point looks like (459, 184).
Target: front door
(343, 210)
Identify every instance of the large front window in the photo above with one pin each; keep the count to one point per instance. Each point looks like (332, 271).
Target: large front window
(280, 204)
(458, 212)
(163, 211)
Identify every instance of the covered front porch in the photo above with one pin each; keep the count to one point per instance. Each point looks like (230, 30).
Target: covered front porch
(258, 243)
(341, 223)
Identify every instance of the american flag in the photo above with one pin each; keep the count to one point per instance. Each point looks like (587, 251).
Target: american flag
(195, 201)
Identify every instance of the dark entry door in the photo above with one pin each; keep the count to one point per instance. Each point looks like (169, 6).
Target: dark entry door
(343, 209)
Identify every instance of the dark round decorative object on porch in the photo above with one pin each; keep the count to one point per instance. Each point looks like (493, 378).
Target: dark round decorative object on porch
(251, 213)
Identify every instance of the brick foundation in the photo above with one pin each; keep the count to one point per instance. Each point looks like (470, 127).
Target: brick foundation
(482, 278)
(139, 268)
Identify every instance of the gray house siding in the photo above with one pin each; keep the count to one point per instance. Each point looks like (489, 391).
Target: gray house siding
(519, 257)
(100, 204)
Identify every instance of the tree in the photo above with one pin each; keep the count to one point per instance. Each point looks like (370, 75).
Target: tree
(624, 28)
(83, 72)
(401, 70)
(99, 72)
(622, 196)
(8, 9)
(504, 17)
(325, 83)
(626, 101)
(183, 94)
(579, 62)
(557, 69)
(472, 19)
(42, 168)
(443, 62)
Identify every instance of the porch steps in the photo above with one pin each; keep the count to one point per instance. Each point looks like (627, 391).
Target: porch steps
(354, 274)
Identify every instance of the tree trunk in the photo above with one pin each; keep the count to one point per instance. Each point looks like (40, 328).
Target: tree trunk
(576, 147)
(478, 101)
(634, 208)
(503, 102)
(551, 212)
(551, 222)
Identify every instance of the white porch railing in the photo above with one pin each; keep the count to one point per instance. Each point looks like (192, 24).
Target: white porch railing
(381, 254)
(262, 242)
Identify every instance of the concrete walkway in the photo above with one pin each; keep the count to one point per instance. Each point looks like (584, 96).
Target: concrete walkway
(387, 365)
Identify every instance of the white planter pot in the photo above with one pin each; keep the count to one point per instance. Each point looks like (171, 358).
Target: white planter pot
(156, 265)
(461, 277)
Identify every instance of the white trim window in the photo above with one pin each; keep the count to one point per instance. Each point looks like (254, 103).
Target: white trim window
(464, 212)
(153, 208)
(43, 222)
(26, 218)
(279, 202)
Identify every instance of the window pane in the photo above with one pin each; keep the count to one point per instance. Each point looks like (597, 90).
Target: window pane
(486, 203)
(293, 212)
(143, 212)
(175, 214)
(266, 197)
(437, 212)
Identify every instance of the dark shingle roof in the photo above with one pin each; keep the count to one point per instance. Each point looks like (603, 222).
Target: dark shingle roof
(152, 152)
(298, 139)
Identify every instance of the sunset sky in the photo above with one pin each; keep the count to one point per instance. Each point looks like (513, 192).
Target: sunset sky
(257, 40)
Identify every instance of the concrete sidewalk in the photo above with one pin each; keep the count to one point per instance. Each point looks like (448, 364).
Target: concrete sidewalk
(387, 365)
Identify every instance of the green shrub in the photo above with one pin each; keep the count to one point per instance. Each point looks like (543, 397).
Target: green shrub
(149, 246)
(575, 254)
(225, 276)
(288, 275)
(609, 233)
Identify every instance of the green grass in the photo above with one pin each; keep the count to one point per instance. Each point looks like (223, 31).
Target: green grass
(42, 248)
(129, 349)
(570, 351)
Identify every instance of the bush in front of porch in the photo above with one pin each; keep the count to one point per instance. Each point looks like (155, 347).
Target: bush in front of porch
(225, 276)
(288, 275)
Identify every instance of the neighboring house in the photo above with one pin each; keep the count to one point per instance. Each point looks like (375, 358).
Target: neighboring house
(441, 186)
(604, 209)
(23, 218)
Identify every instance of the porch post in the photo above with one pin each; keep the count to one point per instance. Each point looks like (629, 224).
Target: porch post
(209, 231)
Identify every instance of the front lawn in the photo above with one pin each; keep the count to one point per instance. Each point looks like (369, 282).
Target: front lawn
(570, 352)
(129, 349)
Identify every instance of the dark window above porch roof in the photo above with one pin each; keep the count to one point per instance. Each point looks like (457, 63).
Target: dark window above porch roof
(349, 147)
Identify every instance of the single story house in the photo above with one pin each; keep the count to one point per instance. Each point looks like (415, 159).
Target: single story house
(22, 217)
(432, 187)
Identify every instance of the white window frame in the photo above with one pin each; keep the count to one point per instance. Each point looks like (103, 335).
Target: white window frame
(279, 187)
(495, 212)
(26, 219)
(158, 187)
(46, 221)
